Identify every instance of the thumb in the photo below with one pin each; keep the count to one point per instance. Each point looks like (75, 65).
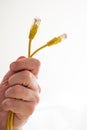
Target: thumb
(10, 72)
(21, 57)
(4, 82)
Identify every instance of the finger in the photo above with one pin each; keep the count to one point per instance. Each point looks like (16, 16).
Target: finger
(30, 64)
(22, 93)
(4, 82)
(24, 78)
(21, 57)
(18, 106)
(8, 74)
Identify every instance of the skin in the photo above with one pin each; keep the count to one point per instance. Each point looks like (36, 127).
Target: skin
(19, 92)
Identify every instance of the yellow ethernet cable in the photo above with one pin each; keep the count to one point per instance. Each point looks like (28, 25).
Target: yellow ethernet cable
(52, 42)
(32, 34)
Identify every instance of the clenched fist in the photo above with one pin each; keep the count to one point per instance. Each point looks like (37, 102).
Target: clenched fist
(19, 91)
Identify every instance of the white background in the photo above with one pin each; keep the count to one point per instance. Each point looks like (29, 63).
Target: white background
(63, 73)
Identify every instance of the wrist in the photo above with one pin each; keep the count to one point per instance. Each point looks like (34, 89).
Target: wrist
(3, 121)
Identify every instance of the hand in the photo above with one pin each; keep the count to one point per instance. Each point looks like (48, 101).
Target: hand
(19, 91)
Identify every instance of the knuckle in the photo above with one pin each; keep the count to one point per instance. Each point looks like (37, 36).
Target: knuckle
(34, 62)
(26, 78)
(6, 103)
(13, 91)
(37, 98)
(37, 62)
(26, 75)
(25, 72)
(31, 108)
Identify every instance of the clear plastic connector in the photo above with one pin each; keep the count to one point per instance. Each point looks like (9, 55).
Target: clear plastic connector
(63, 36)
(37, 21)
